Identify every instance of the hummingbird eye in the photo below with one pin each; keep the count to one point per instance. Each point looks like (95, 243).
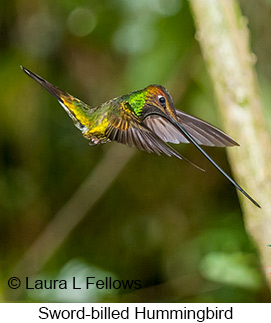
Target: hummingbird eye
(162, 101)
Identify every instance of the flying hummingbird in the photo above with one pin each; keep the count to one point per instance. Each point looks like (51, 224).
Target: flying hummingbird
(145, 119)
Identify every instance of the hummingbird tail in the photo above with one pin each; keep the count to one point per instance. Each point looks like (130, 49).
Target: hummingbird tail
(71, 105)
(54, 90)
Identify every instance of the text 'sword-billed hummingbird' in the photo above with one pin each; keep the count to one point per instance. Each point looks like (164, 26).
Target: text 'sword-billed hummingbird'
(145, 119)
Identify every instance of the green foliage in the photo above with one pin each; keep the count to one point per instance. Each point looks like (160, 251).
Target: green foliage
(163, 222)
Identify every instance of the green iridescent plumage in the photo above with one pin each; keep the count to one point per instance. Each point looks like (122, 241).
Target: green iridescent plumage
(145, 119)
(137, 101)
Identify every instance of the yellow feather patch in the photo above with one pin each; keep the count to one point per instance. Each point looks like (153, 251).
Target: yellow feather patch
(99, 128)
(71, 104)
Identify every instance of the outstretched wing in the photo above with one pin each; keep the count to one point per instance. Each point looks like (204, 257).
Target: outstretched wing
(203, 132)
(127, 129)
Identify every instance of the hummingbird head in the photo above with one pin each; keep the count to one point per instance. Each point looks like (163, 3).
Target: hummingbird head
(154, 99)
(158, 100)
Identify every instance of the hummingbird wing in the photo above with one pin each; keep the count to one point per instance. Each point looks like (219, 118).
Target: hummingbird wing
(202, 132)
(127, 129)
(192, 140)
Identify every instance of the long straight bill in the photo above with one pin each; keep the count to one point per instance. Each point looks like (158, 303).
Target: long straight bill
(188, 137)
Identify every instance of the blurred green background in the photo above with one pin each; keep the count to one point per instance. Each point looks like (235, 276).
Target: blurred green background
(162, 221)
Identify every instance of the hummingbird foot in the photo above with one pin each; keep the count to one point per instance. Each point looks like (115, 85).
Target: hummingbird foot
(96, 141)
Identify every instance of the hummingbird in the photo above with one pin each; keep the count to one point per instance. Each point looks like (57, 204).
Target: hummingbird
(146, 119)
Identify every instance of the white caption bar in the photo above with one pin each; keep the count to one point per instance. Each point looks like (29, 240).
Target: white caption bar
(111, 312)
